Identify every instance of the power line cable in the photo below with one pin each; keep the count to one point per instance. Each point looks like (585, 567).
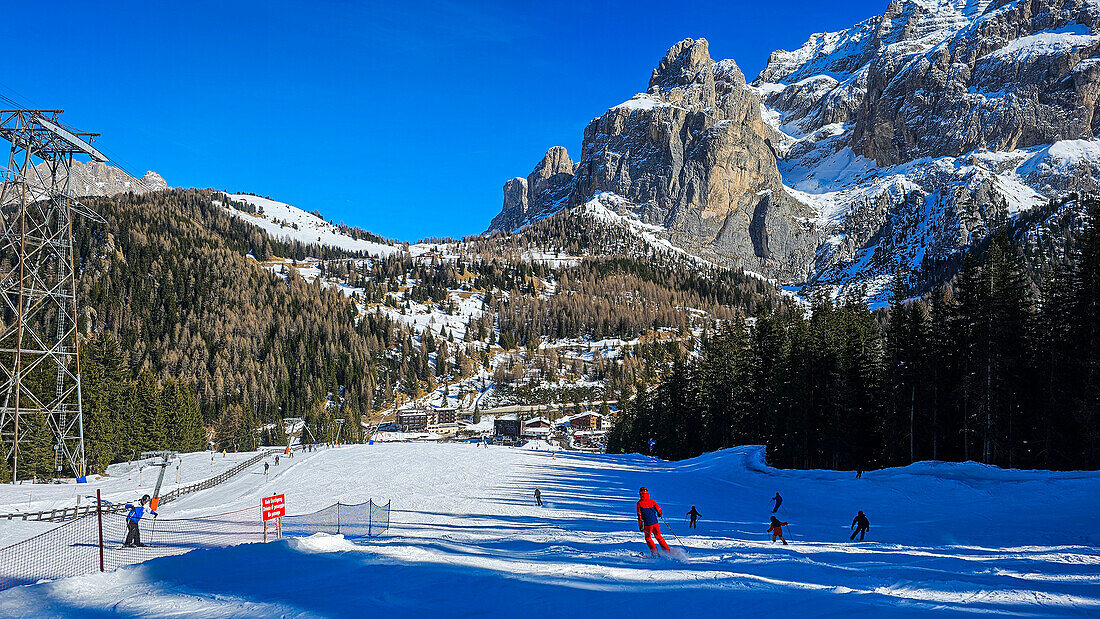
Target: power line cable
(117, 162)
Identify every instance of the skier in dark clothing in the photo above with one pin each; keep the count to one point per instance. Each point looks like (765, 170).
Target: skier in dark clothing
(694, 513)
(538, 497)
(863, 525)
(266, 466)
(778, 501)
(648, 514)
(133, 534)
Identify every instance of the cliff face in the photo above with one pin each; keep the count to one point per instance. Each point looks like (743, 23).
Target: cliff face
(1011, 78)
(913, 132)
(544, 192)
(690, 155)
(890, 146)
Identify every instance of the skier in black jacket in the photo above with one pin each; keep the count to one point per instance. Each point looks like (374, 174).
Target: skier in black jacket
(864, 525)
(694, 513)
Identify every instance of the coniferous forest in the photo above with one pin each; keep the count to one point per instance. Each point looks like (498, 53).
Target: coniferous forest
(1002, 366)
(183, 329)
(184, 332)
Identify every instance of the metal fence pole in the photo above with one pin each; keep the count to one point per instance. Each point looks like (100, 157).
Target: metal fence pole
(337, 517)
(370, 514)
(99, 515)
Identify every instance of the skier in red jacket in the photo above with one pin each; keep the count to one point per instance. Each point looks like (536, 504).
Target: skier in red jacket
(648, 513)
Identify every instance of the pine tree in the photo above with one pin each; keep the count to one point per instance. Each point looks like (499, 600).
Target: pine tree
(147, 422)
(105, 384)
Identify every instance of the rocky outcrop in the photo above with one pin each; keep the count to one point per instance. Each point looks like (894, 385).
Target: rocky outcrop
(692, 155)
(1011, 79)
(544, 192)
(100, 179)
(913, 131)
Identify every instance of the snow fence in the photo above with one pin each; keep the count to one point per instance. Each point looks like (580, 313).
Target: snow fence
(93, 543)
(357, 520)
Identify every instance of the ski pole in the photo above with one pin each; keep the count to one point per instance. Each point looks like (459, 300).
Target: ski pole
(673, 534)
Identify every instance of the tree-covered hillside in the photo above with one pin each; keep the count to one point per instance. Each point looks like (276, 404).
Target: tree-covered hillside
(993, 368)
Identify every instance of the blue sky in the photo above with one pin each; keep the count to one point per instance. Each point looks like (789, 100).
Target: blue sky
(402, 118)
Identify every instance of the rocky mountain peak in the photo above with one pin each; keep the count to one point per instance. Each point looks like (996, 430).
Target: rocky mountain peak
(556, 161)
(544, 192)
(154, 181)
(100, 179)
(685, 76)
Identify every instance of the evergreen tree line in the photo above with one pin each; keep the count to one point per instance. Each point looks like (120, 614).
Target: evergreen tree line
(993, 368)
(170, 280)
(125, 413)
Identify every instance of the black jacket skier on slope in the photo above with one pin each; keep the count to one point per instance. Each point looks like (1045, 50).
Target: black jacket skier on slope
(863, 526)
(694, 513)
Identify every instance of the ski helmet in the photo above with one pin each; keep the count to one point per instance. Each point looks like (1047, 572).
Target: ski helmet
(145, 499)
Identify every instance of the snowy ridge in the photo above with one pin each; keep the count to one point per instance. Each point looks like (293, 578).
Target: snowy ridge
(611, 208)
(909, 26)
(283, 221)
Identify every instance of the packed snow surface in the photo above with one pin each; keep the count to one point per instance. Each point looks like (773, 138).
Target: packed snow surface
(283, 221)
(467, 539)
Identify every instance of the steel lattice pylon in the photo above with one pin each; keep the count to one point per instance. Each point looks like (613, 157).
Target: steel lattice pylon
(39, 364)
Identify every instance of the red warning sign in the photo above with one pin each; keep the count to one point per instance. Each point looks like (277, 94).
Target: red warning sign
(273, 506)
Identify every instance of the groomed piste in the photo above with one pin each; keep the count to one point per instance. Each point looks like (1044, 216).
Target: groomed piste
(467, 539)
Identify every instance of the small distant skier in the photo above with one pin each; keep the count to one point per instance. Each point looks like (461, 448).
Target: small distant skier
(266, 466)
(276, 460)
(694, 513)
(648, 514)
(777, 530)
(538, 497)
(861, 526)
(133, 533)
(778, 501)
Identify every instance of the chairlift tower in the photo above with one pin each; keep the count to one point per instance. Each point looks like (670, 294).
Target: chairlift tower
(339, 426)
(39, 363)
(165, 456)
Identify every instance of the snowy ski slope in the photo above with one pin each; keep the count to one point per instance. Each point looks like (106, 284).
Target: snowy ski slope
(466, 539)
(124, 482)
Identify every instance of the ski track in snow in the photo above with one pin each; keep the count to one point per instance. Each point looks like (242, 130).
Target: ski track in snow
(466, 539)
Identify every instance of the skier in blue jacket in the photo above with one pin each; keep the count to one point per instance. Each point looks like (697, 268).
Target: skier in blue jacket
(133, 534)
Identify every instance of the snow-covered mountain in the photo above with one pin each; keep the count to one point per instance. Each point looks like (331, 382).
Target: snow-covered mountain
(911, 133)
(290, 223)
(886, 147)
